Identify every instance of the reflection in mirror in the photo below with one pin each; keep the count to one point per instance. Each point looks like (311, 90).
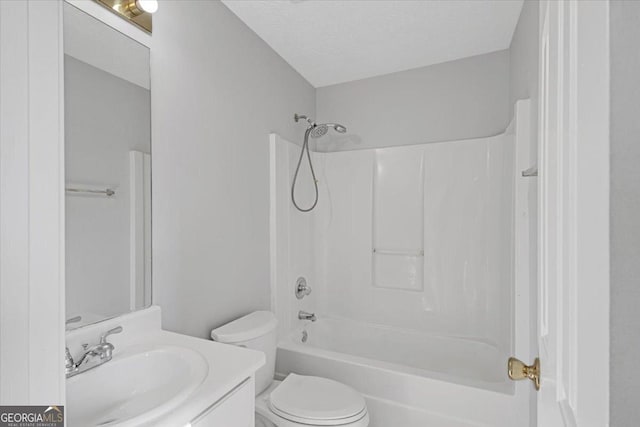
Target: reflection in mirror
(108, 171)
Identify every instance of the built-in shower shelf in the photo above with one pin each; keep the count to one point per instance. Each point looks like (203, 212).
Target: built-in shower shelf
(532, 171)
(400, 253)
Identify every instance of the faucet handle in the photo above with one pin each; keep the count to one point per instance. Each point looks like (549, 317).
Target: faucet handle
(68, 359)
(70, 366)
(302, 288)
(103, 337)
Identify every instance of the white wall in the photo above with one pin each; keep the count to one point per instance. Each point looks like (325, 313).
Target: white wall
(625, 211)
(466, 98)
(97, 154)
(217, 92)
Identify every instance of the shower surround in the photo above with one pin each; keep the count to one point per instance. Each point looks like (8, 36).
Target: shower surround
(420, 279)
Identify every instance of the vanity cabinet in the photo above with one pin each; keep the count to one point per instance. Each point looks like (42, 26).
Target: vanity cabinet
(235, 409)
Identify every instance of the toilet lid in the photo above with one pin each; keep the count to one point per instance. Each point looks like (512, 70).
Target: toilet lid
(315, 400)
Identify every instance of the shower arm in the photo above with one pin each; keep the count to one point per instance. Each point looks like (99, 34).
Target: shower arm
(297, 117)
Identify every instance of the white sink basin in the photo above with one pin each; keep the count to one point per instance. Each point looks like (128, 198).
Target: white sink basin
(135, 387)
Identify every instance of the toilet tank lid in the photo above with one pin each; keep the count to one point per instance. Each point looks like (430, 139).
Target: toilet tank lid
(246, 328)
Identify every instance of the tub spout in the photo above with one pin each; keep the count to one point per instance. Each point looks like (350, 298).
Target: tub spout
(303, 315)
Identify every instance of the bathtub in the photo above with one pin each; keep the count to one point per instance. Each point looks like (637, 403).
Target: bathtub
(409, 378)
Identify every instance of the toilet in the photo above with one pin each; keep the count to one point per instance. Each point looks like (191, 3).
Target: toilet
(298, 400)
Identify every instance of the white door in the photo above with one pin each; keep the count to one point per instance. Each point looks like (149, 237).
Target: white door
(573, 289)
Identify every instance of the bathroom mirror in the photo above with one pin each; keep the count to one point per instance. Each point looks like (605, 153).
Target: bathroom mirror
(107, 107)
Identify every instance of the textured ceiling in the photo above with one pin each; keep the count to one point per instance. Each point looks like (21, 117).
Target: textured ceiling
(334, 41)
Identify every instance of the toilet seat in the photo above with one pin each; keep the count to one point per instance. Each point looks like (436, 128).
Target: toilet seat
(316, 401)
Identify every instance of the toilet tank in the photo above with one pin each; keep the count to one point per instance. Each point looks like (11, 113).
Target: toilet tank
(256, 331)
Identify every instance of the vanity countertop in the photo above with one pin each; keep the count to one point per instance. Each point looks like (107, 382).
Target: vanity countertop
(228, 365)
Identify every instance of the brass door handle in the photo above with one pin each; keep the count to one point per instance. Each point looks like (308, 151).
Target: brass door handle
(519, 371)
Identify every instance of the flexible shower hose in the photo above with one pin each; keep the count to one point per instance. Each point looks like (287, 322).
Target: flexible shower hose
(305, 147)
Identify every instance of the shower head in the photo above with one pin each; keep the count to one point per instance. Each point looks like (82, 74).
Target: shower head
(320, 130)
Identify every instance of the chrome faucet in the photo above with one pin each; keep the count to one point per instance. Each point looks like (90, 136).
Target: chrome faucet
(303, 315)
(94, 356)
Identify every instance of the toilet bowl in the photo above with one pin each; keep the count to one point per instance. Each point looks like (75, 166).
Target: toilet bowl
(298, 400)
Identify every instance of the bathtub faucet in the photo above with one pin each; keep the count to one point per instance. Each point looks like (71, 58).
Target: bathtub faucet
(303, 315)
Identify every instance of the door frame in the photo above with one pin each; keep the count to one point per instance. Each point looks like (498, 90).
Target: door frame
(31, 204)
(576, 234)
(592, 227)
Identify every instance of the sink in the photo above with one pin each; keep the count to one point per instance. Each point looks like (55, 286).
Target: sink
(136, 386)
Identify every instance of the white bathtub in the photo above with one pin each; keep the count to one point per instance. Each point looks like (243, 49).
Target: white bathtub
(409, 378)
